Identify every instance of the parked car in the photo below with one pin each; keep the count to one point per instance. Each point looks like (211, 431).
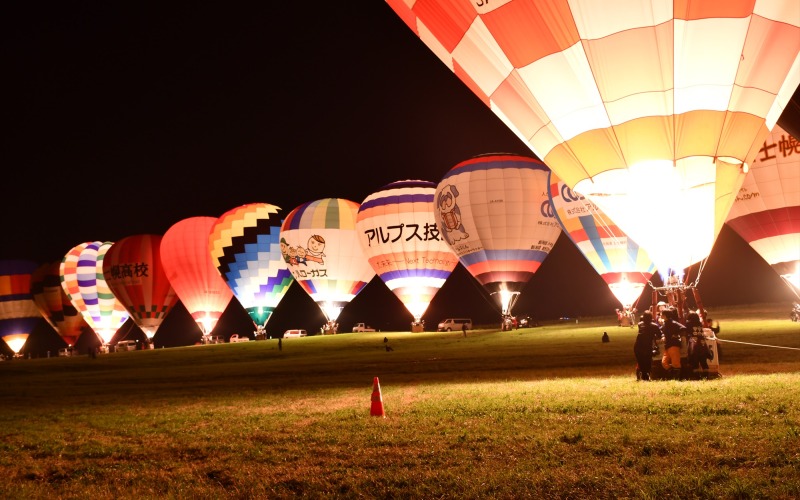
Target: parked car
(362, 327)
(126, 345)
(295, 333)
(450, 324)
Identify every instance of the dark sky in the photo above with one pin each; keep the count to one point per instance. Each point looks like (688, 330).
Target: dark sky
(123, 119)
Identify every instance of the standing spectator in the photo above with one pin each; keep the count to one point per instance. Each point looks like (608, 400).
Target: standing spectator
(464, 329)
(280, 344)
(672, 331)
(699, 353)
(645, 344)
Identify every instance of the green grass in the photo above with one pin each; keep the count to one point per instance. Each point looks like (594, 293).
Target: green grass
(547, 412)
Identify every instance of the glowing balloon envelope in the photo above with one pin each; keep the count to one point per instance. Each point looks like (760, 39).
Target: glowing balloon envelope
(245, 249)
(623, 265)
(766, 213)
(54, 304)
(191, 272)
(321, 247)
(494, 212)
(18, 312)
(133, 270)
(82, 279)
(399, 235)
(643, 107)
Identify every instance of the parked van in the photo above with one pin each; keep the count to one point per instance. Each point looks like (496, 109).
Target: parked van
(451, 324)
(126, 345)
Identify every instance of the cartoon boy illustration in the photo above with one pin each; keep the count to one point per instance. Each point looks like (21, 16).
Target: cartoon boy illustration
(315, 251)
(301, 256)
(450, 215)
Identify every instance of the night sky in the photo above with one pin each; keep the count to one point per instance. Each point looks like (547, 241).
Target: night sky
(123, 119)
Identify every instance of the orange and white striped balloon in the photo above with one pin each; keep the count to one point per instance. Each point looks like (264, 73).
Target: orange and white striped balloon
(645, 107)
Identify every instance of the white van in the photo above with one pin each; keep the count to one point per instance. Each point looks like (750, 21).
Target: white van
(126, 345)
(451, 324)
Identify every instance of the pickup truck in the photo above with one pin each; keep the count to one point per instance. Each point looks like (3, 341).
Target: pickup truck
(361, 327)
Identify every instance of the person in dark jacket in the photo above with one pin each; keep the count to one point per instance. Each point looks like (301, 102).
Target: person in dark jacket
(645, 344)
(672, 331)
(699, 354)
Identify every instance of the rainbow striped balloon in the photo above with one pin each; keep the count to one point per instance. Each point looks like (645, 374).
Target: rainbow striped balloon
(82, 279)
(321, 248)
(623, 265)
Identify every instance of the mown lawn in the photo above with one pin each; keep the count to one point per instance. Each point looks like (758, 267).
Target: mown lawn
(546, 412)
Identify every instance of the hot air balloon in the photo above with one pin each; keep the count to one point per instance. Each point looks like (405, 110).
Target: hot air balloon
(83, 281)
(642, 107)
(321, 247)
(399, 235)
(623, 265)
(191, 272)
(133, 270)
(494, 212)
(18, 312)
(766, 213)
(245, 249)
(54, 304)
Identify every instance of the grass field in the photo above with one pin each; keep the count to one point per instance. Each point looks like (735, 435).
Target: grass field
(546, 412)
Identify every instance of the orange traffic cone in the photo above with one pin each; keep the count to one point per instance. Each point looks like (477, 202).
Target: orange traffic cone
(376, 410)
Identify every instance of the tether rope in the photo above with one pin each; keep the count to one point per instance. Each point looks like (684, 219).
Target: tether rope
(762, 345)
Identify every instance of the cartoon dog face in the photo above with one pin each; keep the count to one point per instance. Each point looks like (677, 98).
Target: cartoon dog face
(447, 198)
(450, 215)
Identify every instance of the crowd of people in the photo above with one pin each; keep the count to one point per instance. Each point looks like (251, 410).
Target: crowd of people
(626, 317)
(667, 329)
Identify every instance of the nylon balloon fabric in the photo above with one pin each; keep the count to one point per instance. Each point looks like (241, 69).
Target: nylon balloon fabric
(321, 247)
(245, 248)
(18, 312)
(398, 233)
